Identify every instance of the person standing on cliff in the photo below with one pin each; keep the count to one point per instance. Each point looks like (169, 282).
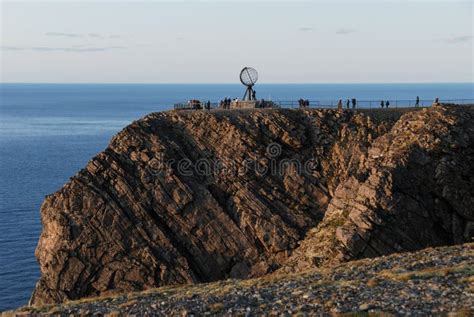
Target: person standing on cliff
(348, 103)
(339, 104)
(354, 103)
(387, 103)
(417, 103)
(381, 104)
(301, 103)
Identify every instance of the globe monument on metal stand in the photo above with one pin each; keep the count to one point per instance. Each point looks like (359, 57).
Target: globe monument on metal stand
(248, 77)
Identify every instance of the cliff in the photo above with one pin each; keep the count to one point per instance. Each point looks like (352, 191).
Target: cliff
(187, 197)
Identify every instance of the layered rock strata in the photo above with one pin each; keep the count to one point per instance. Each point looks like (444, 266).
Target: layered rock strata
(187, 197)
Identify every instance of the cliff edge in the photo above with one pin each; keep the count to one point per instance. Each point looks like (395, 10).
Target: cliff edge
(187, 197)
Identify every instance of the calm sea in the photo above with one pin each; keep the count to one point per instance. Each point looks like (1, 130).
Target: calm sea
(49, 131)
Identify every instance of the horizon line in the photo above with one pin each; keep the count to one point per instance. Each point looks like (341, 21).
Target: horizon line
(232, 83)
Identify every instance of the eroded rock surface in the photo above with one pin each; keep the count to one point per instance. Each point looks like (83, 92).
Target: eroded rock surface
(185, 197)
(415, 190)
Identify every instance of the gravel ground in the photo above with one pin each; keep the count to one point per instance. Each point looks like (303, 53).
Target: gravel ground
(436, 281)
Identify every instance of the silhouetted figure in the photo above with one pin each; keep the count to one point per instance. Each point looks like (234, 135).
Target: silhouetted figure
(381, 104)
(262, 103)
(348, 104)
(354, 103)
(254, 95)
(339, 104)
(208, 105)
(387, 103)
(196, 104)
(301, 102)
(417, 103)
(436, 101)
(306, 103)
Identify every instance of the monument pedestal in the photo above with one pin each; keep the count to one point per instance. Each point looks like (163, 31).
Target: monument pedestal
(244, 104)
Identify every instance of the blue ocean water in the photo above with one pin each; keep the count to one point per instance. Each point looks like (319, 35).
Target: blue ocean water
(50, 131)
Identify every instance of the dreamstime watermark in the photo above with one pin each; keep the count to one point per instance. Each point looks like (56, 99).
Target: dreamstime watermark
(271, 163)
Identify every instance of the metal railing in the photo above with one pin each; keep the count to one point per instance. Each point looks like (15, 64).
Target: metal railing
(371, 104)
(360, 104)
(187, 106)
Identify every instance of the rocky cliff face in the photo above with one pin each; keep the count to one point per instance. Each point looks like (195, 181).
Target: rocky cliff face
(185, 197)
(416, 189)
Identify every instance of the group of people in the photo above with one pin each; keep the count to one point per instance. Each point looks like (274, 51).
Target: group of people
(383, 104)
(417, 102)
(225, 104)
(353, 101)
(264, 104)
(387, 103)
(196, 104)
(303, 103)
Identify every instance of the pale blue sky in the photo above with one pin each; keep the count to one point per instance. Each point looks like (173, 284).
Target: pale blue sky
(209, 42)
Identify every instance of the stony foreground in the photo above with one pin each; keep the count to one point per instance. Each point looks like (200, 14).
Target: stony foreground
(429, 282)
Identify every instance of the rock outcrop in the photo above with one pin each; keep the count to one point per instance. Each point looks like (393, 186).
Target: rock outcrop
(186, 197)
(415, 190)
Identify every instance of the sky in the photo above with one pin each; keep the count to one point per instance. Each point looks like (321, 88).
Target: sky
(210, 41)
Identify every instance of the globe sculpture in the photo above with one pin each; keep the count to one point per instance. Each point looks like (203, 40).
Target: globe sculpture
(248, 77)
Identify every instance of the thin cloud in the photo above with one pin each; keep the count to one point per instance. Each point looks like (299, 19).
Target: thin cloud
(63, 34)
(458, 39)
(305, 29)
(345, 31)
(83, 35)
(61, 49)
